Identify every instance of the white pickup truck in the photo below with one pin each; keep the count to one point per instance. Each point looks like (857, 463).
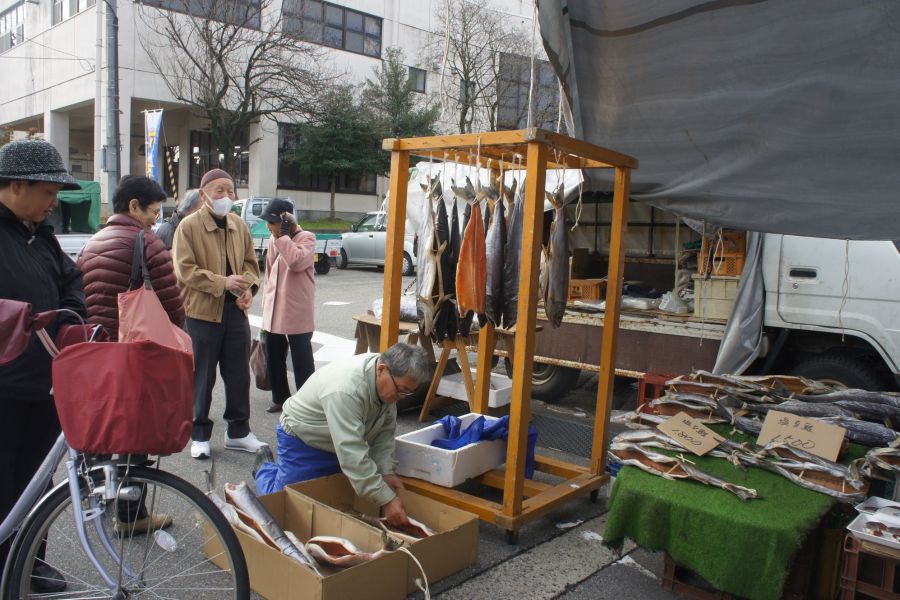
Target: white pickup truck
(72, 243)
(328, 245)
(832, 312)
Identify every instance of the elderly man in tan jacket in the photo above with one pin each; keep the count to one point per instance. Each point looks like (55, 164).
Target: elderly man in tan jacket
(218, 274)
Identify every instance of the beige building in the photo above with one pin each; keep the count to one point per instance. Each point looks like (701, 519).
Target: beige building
(53, 61)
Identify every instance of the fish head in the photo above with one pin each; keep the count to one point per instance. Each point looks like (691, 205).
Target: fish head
(463, 193)
(436, 192)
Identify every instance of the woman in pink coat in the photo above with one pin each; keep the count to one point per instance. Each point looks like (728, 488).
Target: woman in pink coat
(290, 300)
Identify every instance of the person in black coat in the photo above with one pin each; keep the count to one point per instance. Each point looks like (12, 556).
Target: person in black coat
(33, 269)
(188, 206)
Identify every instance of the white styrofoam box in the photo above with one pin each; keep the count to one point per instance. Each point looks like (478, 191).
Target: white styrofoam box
(416, 457)
(499, 393)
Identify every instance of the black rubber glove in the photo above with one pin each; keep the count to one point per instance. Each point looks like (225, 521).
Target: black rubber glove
(285, 227)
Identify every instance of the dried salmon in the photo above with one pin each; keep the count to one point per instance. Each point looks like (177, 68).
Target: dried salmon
(471, 273)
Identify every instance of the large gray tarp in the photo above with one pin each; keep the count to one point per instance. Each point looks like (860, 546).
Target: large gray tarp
(769, 115)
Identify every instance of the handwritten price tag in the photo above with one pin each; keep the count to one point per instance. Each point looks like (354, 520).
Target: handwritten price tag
(687, 432)
(812, 435)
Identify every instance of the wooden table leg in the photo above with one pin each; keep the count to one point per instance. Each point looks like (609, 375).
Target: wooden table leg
(435, 381)
(362, 341)
(463, 361)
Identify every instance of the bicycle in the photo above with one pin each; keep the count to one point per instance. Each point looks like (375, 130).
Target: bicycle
(196, 556)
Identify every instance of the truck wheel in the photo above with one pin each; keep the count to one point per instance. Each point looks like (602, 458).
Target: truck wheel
(408, 268)
(549, 382)
(322, 266)
(838, 368)
(342, 261)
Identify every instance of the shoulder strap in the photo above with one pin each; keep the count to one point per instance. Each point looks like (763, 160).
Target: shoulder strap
(139, 269)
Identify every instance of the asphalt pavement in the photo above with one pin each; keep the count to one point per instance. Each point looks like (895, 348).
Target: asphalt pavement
(558, 556)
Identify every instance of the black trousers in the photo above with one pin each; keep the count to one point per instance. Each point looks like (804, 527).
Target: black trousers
(276, 362)
(226, 345)
(30, 429)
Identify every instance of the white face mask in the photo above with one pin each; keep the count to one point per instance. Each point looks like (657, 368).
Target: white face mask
(221, 206)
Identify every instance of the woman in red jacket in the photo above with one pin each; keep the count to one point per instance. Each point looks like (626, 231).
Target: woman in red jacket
(105, 262)
(106, 258)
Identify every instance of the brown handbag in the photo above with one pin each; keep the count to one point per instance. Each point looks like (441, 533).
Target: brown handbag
(258, 365)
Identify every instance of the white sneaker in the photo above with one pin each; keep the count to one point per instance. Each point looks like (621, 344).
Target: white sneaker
(200, 449)
(248, 443)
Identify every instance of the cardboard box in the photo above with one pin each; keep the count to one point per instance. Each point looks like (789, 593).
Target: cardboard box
(452, 549)
(416, 457)
(499, 392)
(277, 577)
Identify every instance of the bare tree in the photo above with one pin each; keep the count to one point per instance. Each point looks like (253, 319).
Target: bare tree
(482, 57)
(233, 63)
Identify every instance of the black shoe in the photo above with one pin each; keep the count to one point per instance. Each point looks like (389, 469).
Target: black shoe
(274, 408)
(263, 455)
(47, 580)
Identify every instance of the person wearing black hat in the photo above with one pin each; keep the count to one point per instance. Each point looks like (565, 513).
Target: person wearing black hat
(33, 269)
(288, 316)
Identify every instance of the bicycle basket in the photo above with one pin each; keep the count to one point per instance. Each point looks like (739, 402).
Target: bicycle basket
(124, 398)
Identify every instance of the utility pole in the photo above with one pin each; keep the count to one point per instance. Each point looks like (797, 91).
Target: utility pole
(113, 139)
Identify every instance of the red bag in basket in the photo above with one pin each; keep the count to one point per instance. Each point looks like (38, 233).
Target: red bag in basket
(124, 398)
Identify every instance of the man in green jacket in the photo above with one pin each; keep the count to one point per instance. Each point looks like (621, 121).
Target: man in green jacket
(344, 418)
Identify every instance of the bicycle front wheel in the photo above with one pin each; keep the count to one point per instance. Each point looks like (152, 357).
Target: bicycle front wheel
(171, 543)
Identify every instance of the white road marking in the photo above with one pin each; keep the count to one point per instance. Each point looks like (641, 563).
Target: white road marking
(335, 303)
(630, 562)
(332, 348)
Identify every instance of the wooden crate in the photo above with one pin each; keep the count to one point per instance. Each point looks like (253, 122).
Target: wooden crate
(870, 571)
(587, 289)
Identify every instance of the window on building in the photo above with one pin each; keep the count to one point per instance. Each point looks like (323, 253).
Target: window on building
(331, 25)
(63, 9)
(417, 79)
(512, 88)
(291, 177)
(243, 13)
(205, 156)
(12, 26)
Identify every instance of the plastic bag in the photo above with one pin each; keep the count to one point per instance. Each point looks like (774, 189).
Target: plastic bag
(671, 303)
(407, 308)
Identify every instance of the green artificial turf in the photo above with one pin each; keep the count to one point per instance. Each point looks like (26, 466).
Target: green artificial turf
(745, 548)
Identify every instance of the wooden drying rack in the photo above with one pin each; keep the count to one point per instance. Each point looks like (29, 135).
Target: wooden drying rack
(535, 150)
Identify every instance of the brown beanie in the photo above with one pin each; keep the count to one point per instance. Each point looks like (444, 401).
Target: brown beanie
(212, 175)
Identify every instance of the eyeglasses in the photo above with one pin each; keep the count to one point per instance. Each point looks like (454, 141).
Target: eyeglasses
(402, 394)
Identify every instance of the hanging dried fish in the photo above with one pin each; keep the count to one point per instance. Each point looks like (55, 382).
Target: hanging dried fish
(557, 292)
(427, 261)
(442, 306)
(495, 248)
(513, 255)
(471, 271)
